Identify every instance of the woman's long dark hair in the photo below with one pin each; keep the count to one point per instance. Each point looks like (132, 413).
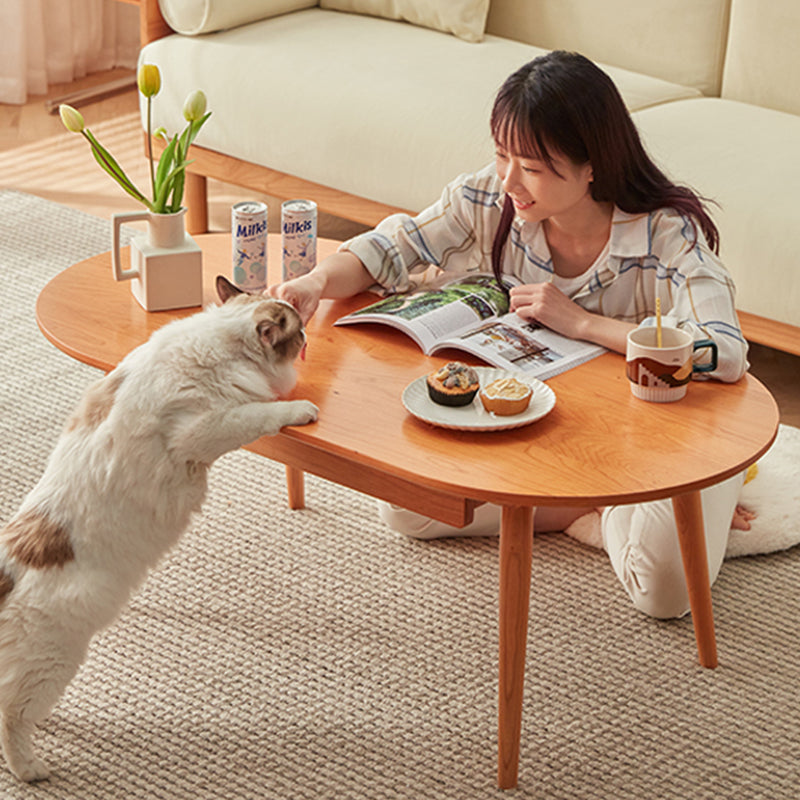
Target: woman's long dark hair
(563, 102)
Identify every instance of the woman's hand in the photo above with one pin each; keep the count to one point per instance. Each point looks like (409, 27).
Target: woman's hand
(304, 293)
(549, 306)
(339, 275)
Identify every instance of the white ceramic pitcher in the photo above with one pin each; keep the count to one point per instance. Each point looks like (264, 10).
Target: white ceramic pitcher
(166, 268)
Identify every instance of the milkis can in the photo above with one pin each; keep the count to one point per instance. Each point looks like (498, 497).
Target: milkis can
(249, 245)
(298, 237)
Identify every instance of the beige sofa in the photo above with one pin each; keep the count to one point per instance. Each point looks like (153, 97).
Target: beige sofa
(366, 114)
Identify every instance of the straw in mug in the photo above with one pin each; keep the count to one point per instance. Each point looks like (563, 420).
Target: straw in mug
(658, 322)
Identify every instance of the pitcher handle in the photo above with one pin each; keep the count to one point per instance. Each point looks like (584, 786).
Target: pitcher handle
(121, 274)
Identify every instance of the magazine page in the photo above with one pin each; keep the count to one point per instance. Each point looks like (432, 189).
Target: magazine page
(438, 310)
(513, 343)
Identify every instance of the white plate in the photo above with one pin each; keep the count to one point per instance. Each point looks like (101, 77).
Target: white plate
(475, 417)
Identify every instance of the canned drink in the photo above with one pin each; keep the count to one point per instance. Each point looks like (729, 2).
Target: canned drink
(298, 237)
(249, 244)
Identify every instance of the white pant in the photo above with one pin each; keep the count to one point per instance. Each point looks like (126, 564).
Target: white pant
(641, 541)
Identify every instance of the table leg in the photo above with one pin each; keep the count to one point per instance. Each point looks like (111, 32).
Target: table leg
(295, 488)
(196, 202)
(691, 535)
(516, 549)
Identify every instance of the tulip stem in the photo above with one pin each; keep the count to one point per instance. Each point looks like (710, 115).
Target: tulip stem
(150, 148)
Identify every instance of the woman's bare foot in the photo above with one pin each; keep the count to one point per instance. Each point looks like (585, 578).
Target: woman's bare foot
(742, 518)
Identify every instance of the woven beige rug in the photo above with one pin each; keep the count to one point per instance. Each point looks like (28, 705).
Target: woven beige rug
(315, 654)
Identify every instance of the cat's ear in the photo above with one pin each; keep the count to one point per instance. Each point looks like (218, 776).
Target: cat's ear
(270, 332)
(280, 331)
(226, 290)
(278, 322)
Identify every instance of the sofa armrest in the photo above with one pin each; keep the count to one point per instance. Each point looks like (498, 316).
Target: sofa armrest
(152, 24)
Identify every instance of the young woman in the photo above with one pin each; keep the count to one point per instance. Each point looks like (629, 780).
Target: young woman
(573, 207)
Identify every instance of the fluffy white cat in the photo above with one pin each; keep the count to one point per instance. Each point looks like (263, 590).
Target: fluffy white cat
(121, 485)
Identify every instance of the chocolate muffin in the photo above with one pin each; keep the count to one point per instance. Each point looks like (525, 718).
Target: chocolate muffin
(454, 384)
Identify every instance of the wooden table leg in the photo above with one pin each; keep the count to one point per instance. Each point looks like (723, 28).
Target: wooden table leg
(691, 535)
(196, 194)
(516, 549)
(295, 488)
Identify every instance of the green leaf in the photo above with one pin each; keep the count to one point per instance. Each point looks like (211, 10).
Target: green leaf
(184, 140)
(180, 179)
(181, 151)
(160, 204)
(193, 128)
(106, 160)
(108, 163)
(164, 165)
(177, 191)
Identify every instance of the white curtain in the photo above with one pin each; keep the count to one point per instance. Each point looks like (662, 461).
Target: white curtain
(58, 41)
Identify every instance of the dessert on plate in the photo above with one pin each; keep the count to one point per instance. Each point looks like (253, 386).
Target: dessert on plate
(506, 396)
(454, 384)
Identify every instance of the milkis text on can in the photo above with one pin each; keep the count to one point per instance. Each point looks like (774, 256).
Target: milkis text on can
(298, 237)
(249, 245)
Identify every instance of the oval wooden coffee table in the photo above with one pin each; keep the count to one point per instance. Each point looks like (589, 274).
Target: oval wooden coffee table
(599, 446)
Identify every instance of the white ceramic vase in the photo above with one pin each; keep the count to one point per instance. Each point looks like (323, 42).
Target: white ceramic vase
(166, 269)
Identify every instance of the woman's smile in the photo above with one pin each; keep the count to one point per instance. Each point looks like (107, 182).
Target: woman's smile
(521, 205)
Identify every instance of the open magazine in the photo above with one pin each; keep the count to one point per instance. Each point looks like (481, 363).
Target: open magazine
(470, 313)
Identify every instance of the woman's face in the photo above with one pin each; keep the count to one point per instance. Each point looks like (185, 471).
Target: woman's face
(540, 191)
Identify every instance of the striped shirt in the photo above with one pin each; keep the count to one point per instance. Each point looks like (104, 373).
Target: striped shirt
(649, 255)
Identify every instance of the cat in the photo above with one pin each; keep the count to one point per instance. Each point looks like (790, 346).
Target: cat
(121, 485)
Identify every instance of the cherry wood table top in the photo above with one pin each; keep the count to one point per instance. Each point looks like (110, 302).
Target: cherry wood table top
(599, 445)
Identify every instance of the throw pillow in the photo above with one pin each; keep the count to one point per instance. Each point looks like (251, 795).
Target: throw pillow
(464, 18)
(192, 17)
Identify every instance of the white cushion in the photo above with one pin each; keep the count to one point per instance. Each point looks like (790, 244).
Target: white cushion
(465, 18)
(762, 64)
(680, 40)
(376, 108)
(192, 17)
(745, 158)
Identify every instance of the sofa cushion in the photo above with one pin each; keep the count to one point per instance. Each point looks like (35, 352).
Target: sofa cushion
(680, 40)
(743, 157)
(464, 18)
(369, 106)
(192, 17)
(762, 65)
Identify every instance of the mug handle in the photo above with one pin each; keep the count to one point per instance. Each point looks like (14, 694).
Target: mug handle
(706, 367)
(116, 263)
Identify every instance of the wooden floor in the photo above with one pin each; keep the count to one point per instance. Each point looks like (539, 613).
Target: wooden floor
(39, 157)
